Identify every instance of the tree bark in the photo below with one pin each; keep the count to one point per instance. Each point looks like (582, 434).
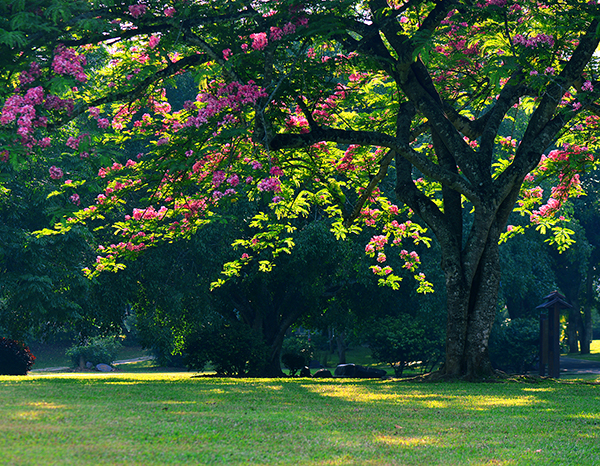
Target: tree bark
(471, 314)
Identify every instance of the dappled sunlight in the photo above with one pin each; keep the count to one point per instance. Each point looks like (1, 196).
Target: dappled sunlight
(396, 440)
(45, 405)
(540, 389)
(487, 402)
(365, 394)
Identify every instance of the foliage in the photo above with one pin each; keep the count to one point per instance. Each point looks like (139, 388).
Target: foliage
(402, 342)
(96, 350)
(308, 109)
(15, 357)
(515, 345)
(230, 346)
(296, 352)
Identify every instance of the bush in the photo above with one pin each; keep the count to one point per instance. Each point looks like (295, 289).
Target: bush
(231, 347)
(296, 352)
(96, 350)
(515, 345)
(15, 357)
(402, 341)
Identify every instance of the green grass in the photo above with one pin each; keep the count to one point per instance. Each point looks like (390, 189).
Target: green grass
(594, 353)
(161, 418)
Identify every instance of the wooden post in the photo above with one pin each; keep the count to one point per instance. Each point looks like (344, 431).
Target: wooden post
(543, 343)
(550, 334)
(554, 342)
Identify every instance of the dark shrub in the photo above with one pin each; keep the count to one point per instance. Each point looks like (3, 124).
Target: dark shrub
(514, 344)
(402, 342)
(15, 357)
(97, 350)
(231, 347)
(296, 352)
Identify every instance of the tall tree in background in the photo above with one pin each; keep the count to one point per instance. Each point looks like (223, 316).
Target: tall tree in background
(311, 105)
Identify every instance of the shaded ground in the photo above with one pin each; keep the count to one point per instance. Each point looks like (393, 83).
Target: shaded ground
(571, 366)
(116, 363)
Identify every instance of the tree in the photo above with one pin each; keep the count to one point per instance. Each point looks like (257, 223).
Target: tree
(312, 105)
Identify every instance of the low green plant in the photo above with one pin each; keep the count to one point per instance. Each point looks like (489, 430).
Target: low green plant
(230, 346)
(296, 352)
(401, 342)
(15, 357)
(96, 350)
(515, 345)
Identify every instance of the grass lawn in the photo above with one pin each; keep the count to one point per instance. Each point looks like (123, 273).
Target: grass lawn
(594, 353)
(172, 418)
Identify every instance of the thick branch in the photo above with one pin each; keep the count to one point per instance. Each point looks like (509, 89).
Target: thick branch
(370, 138)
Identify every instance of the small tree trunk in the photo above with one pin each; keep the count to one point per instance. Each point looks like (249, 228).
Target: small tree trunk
(585, 336)
(341, 347)
(572, 325)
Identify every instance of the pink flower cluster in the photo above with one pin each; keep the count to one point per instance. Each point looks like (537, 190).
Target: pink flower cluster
(22, 109)
(232, 97)
(533, 42)
(55, 172)
(191, 207)
(270, 184)
(377, 243)
(411, 259)
(346, 161)
(27, 77)
(68, 62)
(115, 167)
(149, 213)
(260, 41)
(587, 86)
(137, 10)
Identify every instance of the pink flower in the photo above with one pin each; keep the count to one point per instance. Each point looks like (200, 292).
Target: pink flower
(587, 86)
(153, 42)
(137, 10)
(233, 180)
(226, 54)
(270, 184)
(259, 40)
(170, 11)
(289, 28)
(276, 33)
(55, 172)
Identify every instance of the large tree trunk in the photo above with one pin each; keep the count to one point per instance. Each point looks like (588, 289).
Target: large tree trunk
(471, 314)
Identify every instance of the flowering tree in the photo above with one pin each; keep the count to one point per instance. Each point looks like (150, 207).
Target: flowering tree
(311, 106)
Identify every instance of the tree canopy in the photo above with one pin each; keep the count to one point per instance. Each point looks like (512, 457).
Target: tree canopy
(189, 106)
